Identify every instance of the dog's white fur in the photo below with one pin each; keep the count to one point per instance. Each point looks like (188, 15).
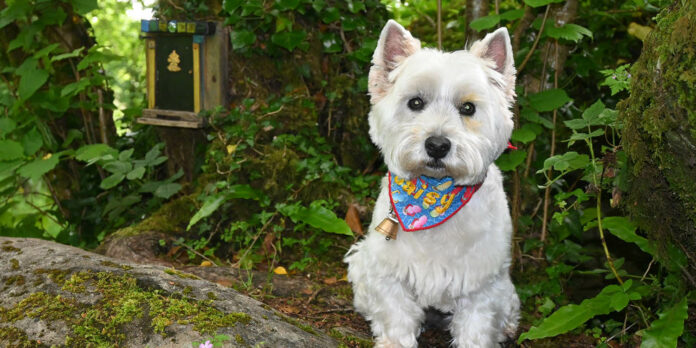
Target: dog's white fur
(461, 266)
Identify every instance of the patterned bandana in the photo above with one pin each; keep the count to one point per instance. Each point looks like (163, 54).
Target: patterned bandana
(426, 202)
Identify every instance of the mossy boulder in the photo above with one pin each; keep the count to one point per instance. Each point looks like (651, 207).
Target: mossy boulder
(660, 132)
(57, 295)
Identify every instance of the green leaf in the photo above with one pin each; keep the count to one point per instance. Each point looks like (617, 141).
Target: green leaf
(289, 40)
(526, 133)
(167, 190)
(570, 31)
(10, 149)
(32, 78)
(512, 15)
(485, 22)
(287, 5)
(7, 125)
(38, 167)
(665, 331)
(566, 162)
(548, 100)
(32, 142)
(539, 3)
(571, 316)
(242, 38)
(112, 180)
(45, 51)
(625, 230)
(210, 205)
(136, 173)
(125, 155)
(330, 14)
(94, 152)
(583, 136)
(82, 7)
(533, 116)
(118, 167)
(316, 216)
(510, 161)
(14, 10)
(75, 87)
(76, 52)
(332, 43)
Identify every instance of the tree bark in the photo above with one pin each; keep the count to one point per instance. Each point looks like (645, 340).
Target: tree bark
(475, 9)
(660, 135)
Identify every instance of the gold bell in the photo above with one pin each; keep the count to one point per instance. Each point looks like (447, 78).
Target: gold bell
(389, 226)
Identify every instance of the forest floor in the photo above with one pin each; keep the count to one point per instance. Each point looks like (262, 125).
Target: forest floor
(321, 296)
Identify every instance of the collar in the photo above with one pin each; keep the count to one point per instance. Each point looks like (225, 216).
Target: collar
(426, 202)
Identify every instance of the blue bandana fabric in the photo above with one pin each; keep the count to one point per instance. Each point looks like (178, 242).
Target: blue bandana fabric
(426, 202)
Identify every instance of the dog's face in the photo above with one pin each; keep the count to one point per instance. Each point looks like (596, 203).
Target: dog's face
(441, 114)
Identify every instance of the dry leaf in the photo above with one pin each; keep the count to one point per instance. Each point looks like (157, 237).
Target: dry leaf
(280, 270)
(344, 278)
(353, 220)
(307, 291)
(330, 281)
(206, 264)
(231, 149)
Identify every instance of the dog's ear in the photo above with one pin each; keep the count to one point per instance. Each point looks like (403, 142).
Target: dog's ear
(395, 44)
(496, 47)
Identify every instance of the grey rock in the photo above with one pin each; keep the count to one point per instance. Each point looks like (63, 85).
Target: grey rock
(33, 269)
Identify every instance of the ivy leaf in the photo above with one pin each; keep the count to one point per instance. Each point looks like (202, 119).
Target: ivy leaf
(485, 22)
(212, 203)
(625, 230)
(10, 150)
(330, 15)
(289, 40)
(167, 190)
(570, 31)
(136, 173)
(112, 180)
(32, 78)
(665, 331)
(510, 161)
(32, 142)
(539, 3)
(571, 316)
(548, 100)
(94, 152)
(287, 5)
(242, 38)
(82, 7)
(38, 167)
(7, 125)
(316, 216)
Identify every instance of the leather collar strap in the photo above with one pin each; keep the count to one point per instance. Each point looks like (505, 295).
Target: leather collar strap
(426, 202)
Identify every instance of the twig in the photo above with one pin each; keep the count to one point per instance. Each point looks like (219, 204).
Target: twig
(314, 295)
(536, 41)
(236, 264)
(194, 251)
(335, 310)
(547, 191)
(439, 24)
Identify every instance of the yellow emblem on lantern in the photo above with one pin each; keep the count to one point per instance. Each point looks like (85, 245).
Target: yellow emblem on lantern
(174, 61)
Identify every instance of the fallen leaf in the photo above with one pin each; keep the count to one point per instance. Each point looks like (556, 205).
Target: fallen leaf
(307, 291)
(280, 270)
(287, 309)
(231, 149)
(353, 220)
(344, 278)
(330, 281)
(224, 282)
(206, 263)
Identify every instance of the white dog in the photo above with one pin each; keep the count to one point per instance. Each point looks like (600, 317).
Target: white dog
(440, 120)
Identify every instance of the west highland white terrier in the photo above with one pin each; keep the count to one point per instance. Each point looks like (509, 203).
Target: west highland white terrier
(441, 228)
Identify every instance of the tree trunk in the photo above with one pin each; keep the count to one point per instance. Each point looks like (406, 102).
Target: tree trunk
(660, 134)
(475, 9)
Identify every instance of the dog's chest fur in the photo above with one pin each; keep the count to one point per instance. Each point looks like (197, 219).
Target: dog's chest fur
(449, 260)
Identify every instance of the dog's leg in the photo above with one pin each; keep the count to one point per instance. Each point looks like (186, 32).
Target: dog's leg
(487, 317)
(394, 315)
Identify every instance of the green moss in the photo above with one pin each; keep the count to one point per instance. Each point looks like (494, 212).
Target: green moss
(108, 263)
(296, 323)
(349, 340)
(660, 131)
(180, 274)
(211, 296)
(239, 339)
(15, 337)
(171, 218)
(15, 280)
(15, 264)
(122, 301)
(11, 249)
(56, 275)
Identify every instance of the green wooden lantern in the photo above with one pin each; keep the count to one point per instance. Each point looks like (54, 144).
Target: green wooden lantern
(185, 71)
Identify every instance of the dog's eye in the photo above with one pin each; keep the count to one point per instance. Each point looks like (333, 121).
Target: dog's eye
(416, 104)
(467, 109)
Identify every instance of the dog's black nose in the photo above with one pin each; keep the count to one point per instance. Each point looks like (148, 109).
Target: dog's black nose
(437, 147)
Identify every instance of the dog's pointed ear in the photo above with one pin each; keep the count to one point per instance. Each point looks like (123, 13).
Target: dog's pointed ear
(496, 47)
(395, 44)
